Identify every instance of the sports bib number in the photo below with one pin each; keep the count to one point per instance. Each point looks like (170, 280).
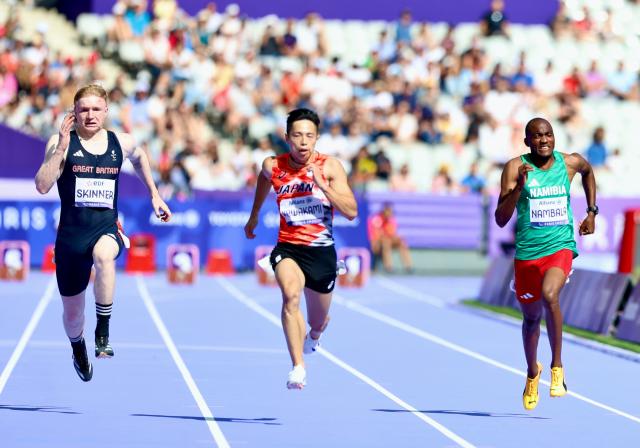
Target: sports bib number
(94, 192)
(302, 210)
(548, 212)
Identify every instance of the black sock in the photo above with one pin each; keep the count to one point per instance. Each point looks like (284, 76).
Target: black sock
(103, 314)
(78, 346)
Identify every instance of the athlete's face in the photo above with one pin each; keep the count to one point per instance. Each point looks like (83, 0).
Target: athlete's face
(302, 139)
(540, 138)
(90, 112)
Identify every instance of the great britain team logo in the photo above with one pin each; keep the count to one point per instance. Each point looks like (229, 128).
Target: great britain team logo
(113, 155)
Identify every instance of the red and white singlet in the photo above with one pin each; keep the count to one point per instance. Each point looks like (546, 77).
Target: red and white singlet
(306, 215)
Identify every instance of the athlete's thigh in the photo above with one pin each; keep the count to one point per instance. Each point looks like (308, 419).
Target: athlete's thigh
(73, 268)
(289, 275)
(553, 281)
(106, 248)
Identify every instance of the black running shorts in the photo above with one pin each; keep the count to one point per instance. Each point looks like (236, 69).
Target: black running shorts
(74, 259)
(317, 263)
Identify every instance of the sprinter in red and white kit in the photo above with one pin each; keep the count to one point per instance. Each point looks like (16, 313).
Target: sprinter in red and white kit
(308, 185)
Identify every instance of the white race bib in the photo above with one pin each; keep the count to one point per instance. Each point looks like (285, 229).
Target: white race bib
(95, 192)
(548, 212)
(302, 210)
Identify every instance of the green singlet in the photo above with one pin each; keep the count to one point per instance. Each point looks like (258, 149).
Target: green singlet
(545, 220)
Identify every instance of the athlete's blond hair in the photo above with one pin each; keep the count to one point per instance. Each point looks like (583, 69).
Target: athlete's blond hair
(90, 90)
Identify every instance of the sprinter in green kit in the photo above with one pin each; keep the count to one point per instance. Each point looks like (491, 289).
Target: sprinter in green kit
(538, 185)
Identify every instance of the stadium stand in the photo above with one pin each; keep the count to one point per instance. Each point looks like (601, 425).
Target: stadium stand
(207, 94)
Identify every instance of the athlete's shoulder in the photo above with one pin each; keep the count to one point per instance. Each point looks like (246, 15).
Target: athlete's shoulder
(330, 161)
(573, 159)
(271, 161)
(267, 166)
(513, 163)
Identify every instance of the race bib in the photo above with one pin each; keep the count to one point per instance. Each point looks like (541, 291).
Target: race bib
(302, 210)
(548, 212)
(94, 192)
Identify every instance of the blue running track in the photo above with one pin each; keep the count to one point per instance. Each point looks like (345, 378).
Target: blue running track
(402, 364)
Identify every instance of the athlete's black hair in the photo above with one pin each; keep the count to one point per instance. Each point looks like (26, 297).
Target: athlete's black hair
(527, 128)
(302, 114)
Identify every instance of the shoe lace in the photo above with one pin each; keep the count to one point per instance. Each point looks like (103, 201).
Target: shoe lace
(556, 377)
(532, 386)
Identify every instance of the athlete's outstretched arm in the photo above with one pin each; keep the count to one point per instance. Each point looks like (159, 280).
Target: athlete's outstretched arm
(54, 157)
(263, 186)
(140, 163)
(337, 188)
(580, 165)
(514, 176)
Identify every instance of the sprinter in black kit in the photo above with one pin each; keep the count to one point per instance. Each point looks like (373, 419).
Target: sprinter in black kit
(86, 164)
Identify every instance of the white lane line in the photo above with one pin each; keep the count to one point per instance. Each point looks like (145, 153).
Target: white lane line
(254, 306)
(364, 310)
(411, 293)
(27, 333)
(215, 430)
(441, 303)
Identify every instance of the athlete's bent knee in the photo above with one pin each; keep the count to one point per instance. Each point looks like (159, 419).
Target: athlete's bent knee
(531, 322)
(291, 298)
(102, 260)
(551, 297)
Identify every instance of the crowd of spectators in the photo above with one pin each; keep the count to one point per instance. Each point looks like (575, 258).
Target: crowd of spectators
(209, 99)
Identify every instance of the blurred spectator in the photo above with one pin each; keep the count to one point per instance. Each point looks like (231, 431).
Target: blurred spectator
(385, 48)
(290, 86)
(404, 124)
(333, 143)
(616, 163)
(403, 27)
(263, 151)
(384, 238)
(120, 29)
(310, 35)
(402, 181)
(494, 22)
(137, 113)
(289, 45)
(8, 86)
(270, 44)
(363, 170)
(138, 17)
(549, 82)
(583, 24)
(597, 151)
(156, 51)
(442, 182)
(594, 82)
(522, 75)
(622, 83)
(574, 84)
(383, 165)
(561, 23)
(428, 133)
(473, 182)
